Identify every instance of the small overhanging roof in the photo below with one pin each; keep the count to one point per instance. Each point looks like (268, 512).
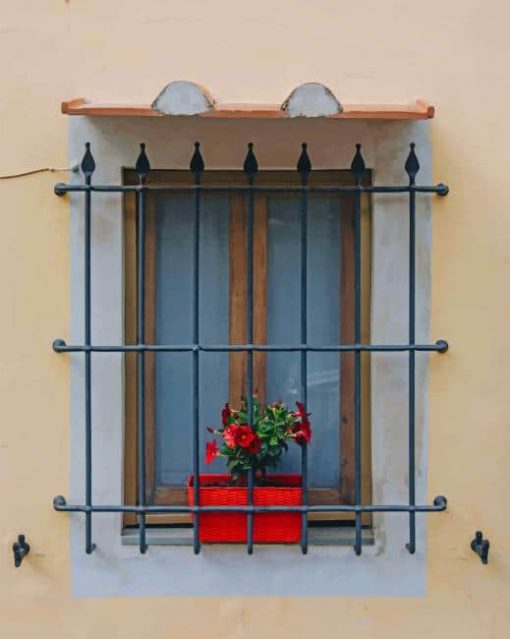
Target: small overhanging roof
(312, 99)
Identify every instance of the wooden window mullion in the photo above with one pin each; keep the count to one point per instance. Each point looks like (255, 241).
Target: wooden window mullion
(238, 292)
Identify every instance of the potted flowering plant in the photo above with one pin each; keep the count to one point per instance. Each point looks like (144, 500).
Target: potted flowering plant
(258, 448)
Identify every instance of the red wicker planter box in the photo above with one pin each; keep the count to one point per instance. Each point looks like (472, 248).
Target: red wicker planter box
(268, 528)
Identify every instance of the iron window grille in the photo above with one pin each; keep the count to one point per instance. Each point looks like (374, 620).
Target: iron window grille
(304, 167)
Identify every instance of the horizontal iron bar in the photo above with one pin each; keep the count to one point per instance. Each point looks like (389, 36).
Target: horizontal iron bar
(60, 346)
(439, 504)
(61, 189)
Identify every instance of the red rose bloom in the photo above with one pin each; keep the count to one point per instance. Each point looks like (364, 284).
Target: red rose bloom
(211, 451)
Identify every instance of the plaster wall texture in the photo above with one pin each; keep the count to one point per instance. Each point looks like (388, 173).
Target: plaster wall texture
(453, 54)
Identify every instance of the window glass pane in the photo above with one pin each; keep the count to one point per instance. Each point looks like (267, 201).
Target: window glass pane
(174, 313)
(174, 325)
(283, 324)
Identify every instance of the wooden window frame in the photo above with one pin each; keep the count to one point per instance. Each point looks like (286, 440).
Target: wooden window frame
(237, 367)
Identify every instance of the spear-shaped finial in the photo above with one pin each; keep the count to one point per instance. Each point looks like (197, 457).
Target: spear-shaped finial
(251, 165)
(412, 166)
(88, 165)
(304, 166)
(358, 165)
(142, 164)
(196, 164)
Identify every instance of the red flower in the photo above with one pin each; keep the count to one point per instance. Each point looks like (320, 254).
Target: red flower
(211, 451)
(229, 435)
(302, 432)
(244, 436)
(226, 414)
(255, 446)
(301, 410)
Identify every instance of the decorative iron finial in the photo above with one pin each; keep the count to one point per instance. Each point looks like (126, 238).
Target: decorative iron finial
(88, 165)
(304, 166)
(197, 162)
(412, 166)
(142, 164)
(358, 165)
(251, 165)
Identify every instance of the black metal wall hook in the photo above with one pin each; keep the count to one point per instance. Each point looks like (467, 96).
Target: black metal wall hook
(20, 549)
(481, 546)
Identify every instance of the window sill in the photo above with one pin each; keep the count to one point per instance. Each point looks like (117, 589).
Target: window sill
(342, 536)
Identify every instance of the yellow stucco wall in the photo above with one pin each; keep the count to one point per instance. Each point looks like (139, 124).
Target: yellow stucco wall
(455, 54)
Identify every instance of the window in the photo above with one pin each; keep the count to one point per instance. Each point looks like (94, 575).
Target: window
(222, 309)
(105, 498)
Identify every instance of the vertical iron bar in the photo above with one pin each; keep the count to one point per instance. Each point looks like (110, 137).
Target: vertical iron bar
(412, 167)
(142, 168)
(357, 168)
(88, 167)
(250, 168)
(196, 167)
(249, 355)
(304, 167)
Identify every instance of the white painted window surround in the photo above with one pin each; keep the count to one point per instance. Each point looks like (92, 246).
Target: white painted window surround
(384, 569)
